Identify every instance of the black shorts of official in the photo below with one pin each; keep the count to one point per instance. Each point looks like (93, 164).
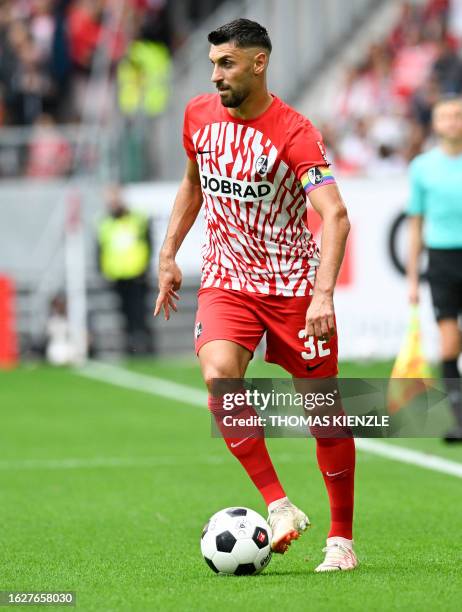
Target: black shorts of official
(445, 277)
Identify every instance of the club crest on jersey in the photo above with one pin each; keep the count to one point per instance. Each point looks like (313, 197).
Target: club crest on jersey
(247, 191)
(261, 165)
(315, 176)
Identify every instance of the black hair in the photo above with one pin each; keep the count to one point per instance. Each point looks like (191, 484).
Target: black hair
(243, 33)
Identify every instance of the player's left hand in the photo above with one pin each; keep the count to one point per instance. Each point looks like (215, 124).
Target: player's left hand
(320, 317)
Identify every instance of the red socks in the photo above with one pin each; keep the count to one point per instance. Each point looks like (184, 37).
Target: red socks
(336, 460)
(251, 451)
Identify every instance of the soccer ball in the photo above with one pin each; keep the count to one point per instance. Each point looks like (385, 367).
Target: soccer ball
(236, 541)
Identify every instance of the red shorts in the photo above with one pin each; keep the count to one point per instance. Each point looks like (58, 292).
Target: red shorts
(224, 314)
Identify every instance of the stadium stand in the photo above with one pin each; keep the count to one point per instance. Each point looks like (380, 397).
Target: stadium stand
(381, 118)
(56, 54)
(74, 116)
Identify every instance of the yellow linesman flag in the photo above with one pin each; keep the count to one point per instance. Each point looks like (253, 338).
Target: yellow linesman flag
(410, 364)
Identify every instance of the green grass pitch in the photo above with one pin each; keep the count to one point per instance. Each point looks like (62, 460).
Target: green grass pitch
(104, 491)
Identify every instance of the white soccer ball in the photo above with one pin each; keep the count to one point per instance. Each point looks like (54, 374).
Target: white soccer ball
(236, 541)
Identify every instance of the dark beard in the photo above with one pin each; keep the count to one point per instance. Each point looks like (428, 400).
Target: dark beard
(235, 100)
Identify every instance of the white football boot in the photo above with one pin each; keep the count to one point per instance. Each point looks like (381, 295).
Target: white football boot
(339, 556)
(287, 522)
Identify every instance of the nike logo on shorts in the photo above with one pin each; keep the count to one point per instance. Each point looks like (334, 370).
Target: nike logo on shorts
(314, 367)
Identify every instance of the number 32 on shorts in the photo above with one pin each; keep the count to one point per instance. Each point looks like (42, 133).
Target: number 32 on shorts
(311, 345)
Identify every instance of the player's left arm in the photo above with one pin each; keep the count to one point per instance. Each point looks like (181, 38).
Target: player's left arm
(327, 201)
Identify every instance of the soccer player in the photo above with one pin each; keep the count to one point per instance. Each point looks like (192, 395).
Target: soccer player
(435, 216)
(253, 160)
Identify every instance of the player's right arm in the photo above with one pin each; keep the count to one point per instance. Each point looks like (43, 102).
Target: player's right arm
(187, 205)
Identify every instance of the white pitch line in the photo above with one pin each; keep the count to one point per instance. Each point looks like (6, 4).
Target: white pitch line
(127, 462)
(407, 455)
(122, 377)
(96, 462)
(104, 462)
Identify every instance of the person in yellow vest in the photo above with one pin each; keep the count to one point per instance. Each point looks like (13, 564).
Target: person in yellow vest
(124, 253)
(143, 90)
(143, 78)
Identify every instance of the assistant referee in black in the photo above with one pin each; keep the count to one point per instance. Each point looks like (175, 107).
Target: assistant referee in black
(435, 215)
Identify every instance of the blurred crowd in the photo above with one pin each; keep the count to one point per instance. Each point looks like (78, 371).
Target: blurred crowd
(382, 115)
(49, 49)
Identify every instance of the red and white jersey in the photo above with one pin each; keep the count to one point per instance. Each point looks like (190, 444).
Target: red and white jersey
(255, 203)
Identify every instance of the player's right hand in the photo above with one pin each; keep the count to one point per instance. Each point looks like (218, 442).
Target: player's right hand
(170, 278)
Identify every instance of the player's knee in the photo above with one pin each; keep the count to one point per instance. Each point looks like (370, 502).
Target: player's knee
(450, 339)
(450, 350)
(213, 372)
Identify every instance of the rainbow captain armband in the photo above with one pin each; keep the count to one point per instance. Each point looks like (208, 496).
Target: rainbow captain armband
(317, 177)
